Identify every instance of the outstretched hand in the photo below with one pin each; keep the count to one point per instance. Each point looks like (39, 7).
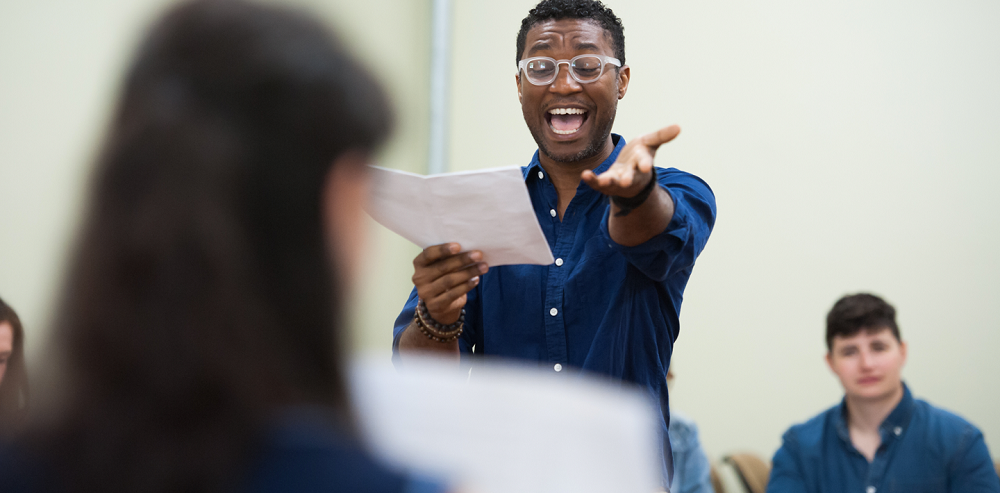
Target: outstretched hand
(632, 171)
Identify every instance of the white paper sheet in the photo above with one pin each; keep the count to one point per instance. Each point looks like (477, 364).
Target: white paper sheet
(487, 210)
(508, 429)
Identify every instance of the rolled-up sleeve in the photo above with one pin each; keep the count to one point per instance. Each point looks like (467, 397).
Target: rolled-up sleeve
(677, 247)
(469, 332)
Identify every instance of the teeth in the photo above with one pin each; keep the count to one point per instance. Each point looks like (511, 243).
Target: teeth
(566, 111)
(565, 132)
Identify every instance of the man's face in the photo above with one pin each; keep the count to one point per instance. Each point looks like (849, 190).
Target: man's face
(6, 346)
(868, 364)
(574, 136)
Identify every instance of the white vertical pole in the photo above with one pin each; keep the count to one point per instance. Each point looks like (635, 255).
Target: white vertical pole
(437, 159)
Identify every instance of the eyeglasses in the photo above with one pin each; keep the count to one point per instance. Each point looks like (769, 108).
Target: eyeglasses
(542, 70)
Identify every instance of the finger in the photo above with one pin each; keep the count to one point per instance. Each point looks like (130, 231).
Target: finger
(424, 274)
(443, 304)
(447, 282)
(434, 253)
(661, 136)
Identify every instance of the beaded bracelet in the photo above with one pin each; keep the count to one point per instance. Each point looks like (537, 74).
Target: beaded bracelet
(629, 204)
(433, 329)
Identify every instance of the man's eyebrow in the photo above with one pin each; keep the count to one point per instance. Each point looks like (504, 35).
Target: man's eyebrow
(587, 46)
(535, 48)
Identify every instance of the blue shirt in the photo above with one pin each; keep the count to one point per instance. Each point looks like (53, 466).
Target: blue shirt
(300, 452)
(692, 472)
(601, 307)
(924, 449)
(303, 452)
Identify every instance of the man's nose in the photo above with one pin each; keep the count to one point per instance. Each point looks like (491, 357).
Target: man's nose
(866, 359)
(564, 83)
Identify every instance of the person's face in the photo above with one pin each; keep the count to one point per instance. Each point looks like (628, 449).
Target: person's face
(6, 346)
(571, 137)
(345, 193)
(868, 364)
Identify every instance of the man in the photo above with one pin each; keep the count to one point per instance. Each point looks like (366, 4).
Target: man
(692, 471)
(13, 378)
(879, 438)
(625, 234)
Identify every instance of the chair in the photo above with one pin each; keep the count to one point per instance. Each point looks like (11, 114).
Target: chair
(753, 471)
(713, 474)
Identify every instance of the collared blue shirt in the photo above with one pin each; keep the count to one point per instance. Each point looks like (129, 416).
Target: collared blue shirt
(601, 307)
(692, 472)
(924, 449)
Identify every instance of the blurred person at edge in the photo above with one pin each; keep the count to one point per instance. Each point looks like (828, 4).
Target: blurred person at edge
(879, 439)
(625, 233)
(692, 471)
(13, 377)
(201, 330)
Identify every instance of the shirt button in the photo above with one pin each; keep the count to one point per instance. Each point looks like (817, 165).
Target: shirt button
(552, 213)
(870, 489)
(897, 430)
(557, 367)
(541, 175)
(553, 312)
(559, 263)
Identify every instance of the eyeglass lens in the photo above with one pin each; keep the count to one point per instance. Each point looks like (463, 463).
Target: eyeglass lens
(584, 69)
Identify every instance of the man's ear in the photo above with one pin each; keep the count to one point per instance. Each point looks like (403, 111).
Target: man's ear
(517, 80)
(624, 74)
(829, 360)
(902, 351)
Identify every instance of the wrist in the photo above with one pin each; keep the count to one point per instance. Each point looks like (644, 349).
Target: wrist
(434, 330)
(628, 204)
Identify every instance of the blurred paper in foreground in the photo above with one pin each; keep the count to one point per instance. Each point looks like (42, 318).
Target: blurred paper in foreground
(508, 429)
(487, 210)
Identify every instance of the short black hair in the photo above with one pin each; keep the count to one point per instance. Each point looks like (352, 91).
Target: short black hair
(856, 312)
(593, 10)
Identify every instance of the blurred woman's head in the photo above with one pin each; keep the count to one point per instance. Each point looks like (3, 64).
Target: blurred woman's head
(13, 377)
(205, 290)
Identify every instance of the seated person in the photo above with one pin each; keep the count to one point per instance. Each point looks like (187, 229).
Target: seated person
(879, 438)
(692, 472)
(13, 378)
(201, 332)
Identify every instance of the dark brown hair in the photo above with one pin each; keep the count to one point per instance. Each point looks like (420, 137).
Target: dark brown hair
(14, 387)
(592, 10)
(854, 313)
(201, 299)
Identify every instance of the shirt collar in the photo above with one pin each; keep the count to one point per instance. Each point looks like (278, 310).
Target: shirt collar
(895, 423)
(616, 139)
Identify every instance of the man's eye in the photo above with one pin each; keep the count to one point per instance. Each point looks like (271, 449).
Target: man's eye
(879, 347)
(848, 352)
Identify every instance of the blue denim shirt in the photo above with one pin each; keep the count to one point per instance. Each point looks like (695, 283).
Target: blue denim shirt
(692, 472)
(601, 307)
(924, 449)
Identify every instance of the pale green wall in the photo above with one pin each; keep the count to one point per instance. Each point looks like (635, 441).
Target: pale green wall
(852, 146)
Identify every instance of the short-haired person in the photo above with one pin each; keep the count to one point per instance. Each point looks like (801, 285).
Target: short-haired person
(879, 439)
(13, 376)
(202, 327)
(625, 234)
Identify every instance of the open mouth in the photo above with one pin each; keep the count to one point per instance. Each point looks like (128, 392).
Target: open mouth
(566, 121)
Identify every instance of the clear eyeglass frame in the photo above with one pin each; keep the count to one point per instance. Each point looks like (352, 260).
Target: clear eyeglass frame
(523, 64)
